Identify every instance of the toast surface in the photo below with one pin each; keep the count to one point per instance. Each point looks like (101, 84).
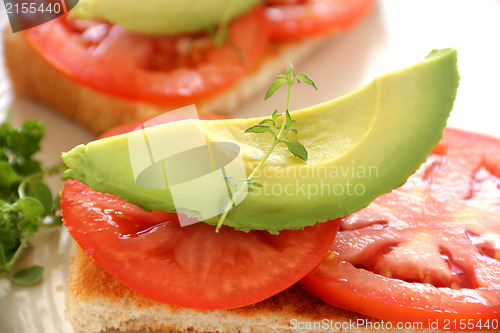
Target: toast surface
(96, 301)
(96, 111)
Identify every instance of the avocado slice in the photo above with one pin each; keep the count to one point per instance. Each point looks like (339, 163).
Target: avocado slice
(162, 17)
(360, 146)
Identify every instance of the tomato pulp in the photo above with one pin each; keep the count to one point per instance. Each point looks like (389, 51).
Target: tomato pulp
(429, 251)
(297, 19)
(191, 266)
(179, 69)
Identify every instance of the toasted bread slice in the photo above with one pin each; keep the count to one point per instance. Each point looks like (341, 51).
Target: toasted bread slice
(33, 77)
(96, 301)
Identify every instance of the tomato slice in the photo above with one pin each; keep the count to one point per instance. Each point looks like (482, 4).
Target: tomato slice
(175, 70)
(429, 251)
(189, 266)
(296, 19)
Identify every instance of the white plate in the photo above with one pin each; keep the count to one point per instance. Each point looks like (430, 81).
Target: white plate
(398, 33)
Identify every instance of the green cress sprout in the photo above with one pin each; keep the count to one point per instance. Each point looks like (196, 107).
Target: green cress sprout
(279, 132)
(26, 201)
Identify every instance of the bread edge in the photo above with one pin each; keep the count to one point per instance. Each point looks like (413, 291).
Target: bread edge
(96, 302)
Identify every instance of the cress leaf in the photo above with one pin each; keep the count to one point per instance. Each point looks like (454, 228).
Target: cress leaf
(30, 207)
(273, 87)
(3, 261)
(40, 191)
(23, 141)
(28, 167)
(29, 224)
(7, 174)
(8, 237)
(297, 149)
(307, 79)
(294, 130)
(28, 276)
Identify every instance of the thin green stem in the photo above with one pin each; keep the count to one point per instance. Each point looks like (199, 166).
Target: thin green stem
(18, 253)
(289, 96)
(277, 139)
(21, 191)
(242, 187)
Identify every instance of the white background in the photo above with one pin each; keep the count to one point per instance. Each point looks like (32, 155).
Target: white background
(396, 34)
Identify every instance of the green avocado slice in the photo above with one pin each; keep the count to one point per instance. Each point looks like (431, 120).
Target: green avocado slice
(360, 146)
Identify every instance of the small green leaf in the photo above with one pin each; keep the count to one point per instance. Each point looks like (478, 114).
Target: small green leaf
(275, 116)
(266, 121)
(28, 276)
(29, 224)
(289, 71)
(3, 261)
(258, 129)
(288, 120)
(307, 79)
(297, 149)
(30, 207)
(273, 87)
(7, 174)
(28, 167)
(9, 238)
(24, 141)
(294, 130)
(40, 191)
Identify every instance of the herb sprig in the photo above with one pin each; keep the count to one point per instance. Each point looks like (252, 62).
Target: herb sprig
(26, 201)
(279, 131)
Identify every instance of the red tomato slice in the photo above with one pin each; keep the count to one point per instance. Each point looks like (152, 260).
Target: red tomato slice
(189, 266)
(296, 19)
(429, 251)
(176, 70)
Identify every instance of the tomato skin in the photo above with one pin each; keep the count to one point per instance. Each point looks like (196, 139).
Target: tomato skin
(453, 202)
(294, 20)
(159, 70)
(191, 266)
(336, 288)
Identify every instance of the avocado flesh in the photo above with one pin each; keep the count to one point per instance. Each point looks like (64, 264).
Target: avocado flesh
(360, 146)
(162, 17)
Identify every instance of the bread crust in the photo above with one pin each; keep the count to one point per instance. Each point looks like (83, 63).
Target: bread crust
(98, 112)
(96, 301)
